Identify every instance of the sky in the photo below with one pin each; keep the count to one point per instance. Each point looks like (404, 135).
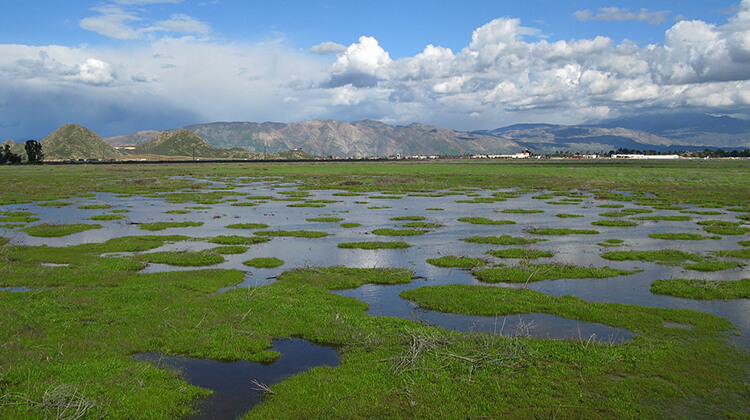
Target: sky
(120, 66)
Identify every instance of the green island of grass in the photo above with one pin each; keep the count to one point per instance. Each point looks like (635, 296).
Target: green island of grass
(568, 215)
(337, 278)
(677, 236)
(663, 256)
(421, 225)
(325, 219)
(711, 266)
(264, 262)
(54, 230)
(292, 233)
(614, 223)
(521, 211)
(230, 249)
(95, 206)
(451, 261)
(721, 227)
(736, 253)
(247, 226)
(611, 242)
(523, 253)
(350, 225)
(374, 245)
(107, 217)
(237, 240)
(664, 218)
(703, 289)
(485, 221)
(183, 258)
(397, 232)
(408, 218)
(537, 272)
(156, 226)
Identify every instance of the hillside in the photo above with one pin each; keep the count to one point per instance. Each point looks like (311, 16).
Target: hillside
(183, 143)
(75, 142)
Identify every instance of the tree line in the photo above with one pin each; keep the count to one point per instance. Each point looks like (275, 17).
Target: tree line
(34, 153)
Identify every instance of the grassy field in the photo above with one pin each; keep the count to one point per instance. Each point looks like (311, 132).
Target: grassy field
(66, 345)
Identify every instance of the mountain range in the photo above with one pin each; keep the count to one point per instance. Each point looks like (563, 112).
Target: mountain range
(659, 132)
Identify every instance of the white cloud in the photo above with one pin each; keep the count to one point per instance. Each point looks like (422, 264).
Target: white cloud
(120, 22)
(328, 48)
(94, 72)
(617, 13)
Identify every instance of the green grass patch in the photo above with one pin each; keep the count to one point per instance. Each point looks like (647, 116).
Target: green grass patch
(562, 231)
(199, 207)
(120, 211)
(501, 240)
(611, 206)
(107, 217)
(245, 204)
(374, 245)
(54, 204)
(611, 242)
(537, 272)
(177, 212)
(350, 225)
(521, 211)
(667, 207)
(338, 278)
(421, 225)
(663, 256)
(18, 217)
(451, 261)
(624, 212)
(379, 207)
(237, 240)
(522, 253)
(614, 223)
(499, 301)
(397, 232)
(703, 212)
(314, 205)
(183, 258)
(744, 243)
(568, 215)
(664, 218)
(325, 219)
(485, 221)
(711, 266)
(434, 209)
(247, 226)
(703, 289)
(292, 233)
(408, 218)
(264, 262)
(681, 236)
(230, 249)
(54, 230)
(156, 226)
(721, 227)
(95, 206)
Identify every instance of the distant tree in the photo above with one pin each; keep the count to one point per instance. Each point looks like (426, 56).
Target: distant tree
(7, 156)
(34, 151)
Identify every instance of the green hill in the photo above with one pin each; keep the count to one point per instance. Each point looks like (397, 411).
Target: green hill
(75, 142)
(182, 143)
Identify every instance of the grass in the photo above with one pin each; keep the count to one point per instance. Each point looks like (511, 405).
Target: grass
(522, 253)
(614, 223)
(374, 245)
(702, 212)
(664, 256)
(156, 226)
(568, 215)
(664, 218)
(315, 205)
(397, 232)
(55, 204)
(421, 225)
(95, 206)
(562, 231)
(120, 211)
(230, 249)
(408, 218)
(183, 258)
(711, 266)
(292, 233)
(350, 225)
(107, 217)
(497, 301)
(703, 289)
(526, 273)
(237, 240)
(624, 212)
(681, 236)
(337, 278)
(247, 226)
(434, 209)
(485, 221)
(18, 217)
(264, 262)
(451, 261)
(177, 212)
(379, 207)
(737, 253)
(54, 230)
(501, 240)
(521, 211)
(611, 242)
(325, 219)
(721, 227)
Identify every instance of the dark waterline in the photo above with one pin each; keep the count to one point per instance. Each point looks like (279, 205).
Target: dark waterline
(234, 392)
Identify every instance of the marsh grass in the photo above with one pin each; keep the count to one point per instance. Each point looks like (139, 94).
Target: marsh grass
(421, 225)
(237, 240)
(379, 207)
(350, 225)
(183, 258)
(703, 212)
(177, 212)
(737, 253)
(452, 261)
(522, 253)
(526, 273)
(247, 226)
(54, 204)
(682, 236)
(230, 249)
(312, 205)
(264, 262)
(501, 240)
(107, 217)
(485, 221)
(397, 232)
(434, 209)
(711, 266)
(562, 231)
(120, 211)
(664, 218)
(568, 215)
(95, 207)
(18, 217)
(325, 219)
(156, 226)
(292, 233)
(374, 245)
(337, 278)
(54, 230)
(521, 211)
(624, 212)
(703, 289)
(721, 227)
(614, 223)
(611, 242)
(408, 218)
(664, 256)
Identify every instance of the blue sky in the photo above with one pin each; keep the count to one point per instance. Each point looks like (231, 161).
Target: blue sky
(118, 66)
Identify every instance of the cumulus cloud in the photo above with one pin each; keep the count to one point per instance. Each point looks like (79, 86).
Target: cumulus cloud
(617, 13)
